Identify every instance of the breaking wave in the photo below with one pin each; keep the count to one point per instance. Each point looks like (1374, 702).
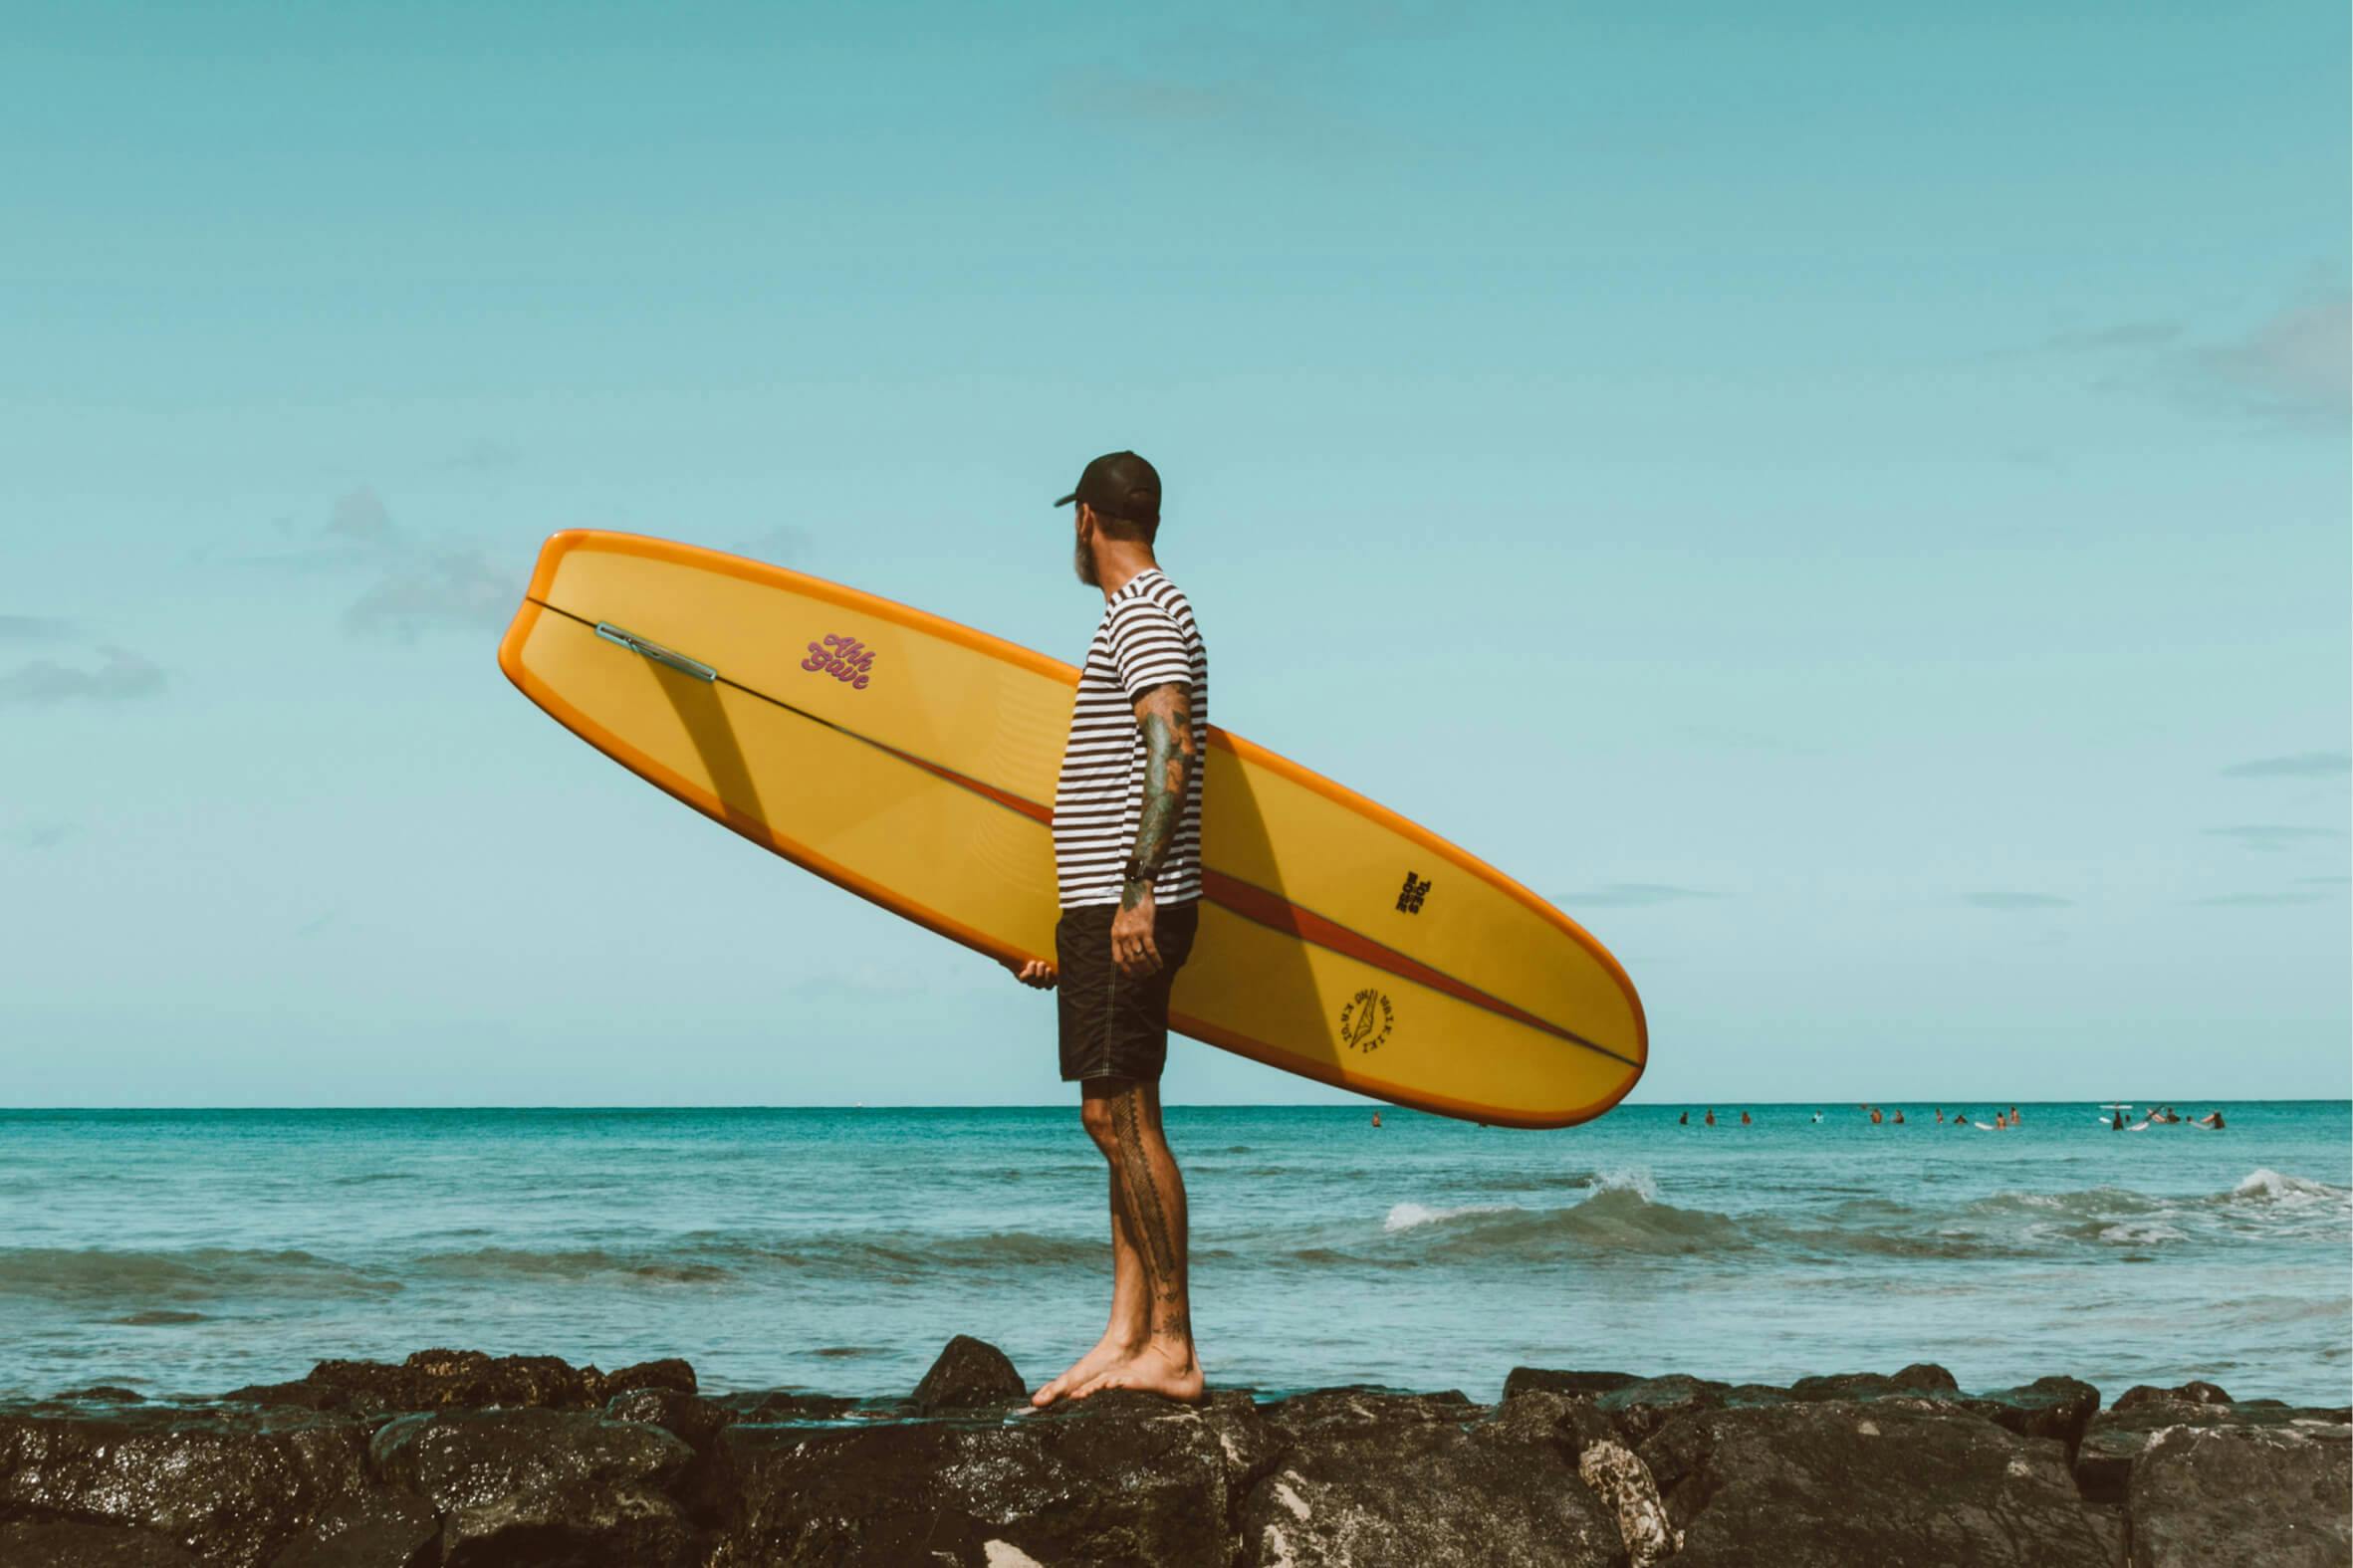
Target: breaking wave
(204, 1273)
(1622, 1212)
(1612, 1220)
(1407, 1215)
(2266, 1186)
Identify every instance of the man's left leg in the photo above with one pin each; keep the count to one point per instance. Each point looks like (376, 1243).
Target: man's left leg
(1150, 1195)
(1131, 1318)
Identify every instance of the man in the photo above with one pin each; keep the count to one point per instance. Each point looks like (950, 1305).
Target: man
(1127, 861)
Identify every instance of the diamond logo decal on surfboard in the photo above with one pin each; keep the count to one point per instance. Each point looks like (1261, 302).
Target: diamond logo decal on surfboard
(1366, 1020)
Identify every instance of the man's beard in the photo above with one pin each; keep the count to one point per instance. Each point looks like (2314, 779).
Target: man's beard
(1082, 560)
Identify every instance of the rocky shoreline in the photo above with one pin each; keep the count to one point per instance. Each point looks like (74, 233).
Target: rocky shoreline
(459, 1457)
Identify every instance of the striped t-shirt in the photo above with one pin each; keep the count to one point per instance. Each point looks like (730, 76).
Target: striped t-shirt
(1147, 638)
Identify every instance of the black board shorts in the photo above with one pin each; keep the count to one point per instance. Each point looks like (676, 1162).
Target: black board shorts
(1114, 1026)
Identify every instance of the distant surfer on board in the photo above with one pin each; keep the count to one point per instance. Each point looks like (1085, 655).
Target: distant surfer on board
(1127, 860)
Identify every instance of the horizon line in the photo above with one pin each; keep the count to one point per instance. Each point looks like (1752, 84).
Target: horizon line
(1208, 1105)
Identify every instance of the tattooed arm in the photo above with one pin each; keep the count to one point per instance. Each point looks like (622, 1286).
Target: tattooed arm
(1165, 714)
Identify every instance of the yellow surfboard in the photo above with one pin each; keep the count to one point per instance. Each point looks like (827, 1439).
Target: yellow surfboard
(913, 761)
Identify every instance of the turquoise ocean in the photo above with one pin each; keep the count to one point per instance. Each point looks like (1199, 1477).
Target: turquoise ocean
(835, 1250)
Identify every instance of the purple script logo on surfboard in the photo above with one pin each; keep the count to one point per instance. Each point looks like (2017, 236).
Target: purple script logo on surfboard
(843, 658)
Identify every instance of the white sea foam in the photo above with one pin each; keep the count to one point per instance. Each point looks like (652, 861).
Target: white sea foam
(1407, 1215)
(1635, 1179)
(2265, 1185)
(2142, 1233)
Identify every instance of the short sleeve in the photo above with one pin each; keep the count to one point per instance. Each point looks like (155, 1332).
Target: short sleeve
(1149, 648)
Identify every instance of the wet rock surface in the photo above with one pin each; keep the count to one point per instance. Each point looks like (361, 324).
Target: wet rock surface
(2114, 1440)
(227, 1485)
(1868, 1481)
(67, 1545)
(691, 1419)
(1922, 1377)
(1132, 1479)
(2268, 1494)
(512, 1485)
(1529, 1380)
(970, 1373)
(2056, 1408)
(462, 1379)
(379, 1528)
(460, 1457)
(1377, 1479)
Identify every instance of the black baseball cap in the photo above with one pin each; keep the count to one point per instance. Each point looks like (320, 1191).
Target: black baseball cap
(1119, 485)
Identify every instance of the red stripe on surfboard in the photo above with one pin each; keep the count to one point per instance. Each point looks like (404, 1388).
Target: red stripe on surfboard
(1277, 913)
(1274, 910)
(1028, 808)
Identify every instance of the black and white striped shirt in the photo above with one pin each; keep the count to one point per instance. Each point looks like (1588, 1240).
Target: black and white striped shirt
(1147, 638)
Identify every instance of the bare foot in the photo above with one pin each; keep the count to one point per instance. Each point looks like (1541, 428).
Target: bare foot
(1108, 1351)
(1164, 1367)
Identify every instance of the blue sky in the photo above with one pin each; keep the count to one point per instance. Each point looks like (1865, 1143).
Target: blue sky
(1851, 503)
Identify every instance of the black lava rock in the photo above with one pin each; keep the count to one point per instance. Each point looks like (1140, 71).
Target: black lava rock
(969, 1373)
(1834, 1483)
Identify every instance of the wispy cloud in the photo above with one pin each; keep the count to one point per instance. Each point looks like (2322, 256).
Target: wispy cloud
(2294, 367)
(1268, 77)
(2303, 764)
(2290, 371)
(34, 628)
(2273, 836)
(1632, 895)
(413, 584)
(429, 590)
(122, 676)
(482, 455)
(42, 835)
(2009, 899)
(362, 517)
(2256, 900)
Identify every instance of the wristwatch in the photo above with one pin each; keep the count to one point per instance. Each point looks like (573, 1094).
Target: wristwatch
(1136, 871)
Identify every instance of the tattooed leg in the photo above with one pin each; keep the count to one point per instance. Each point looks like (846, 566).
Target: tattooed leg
(1131, 1322)
(1153, 1193)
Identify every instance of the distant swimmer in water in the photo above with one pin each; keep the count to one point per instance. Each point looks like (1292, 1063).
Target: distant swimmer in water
(1684, 1120)
(1817, 1117)
(1376, 1118)
(1745, 1119)
(2212, 1119)
(2118, 1124)
(1899, 1116)
(1961, 1118)
(2013, 1116)
(1940, 1116)
(1876, 1118)
(1711, 1116)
